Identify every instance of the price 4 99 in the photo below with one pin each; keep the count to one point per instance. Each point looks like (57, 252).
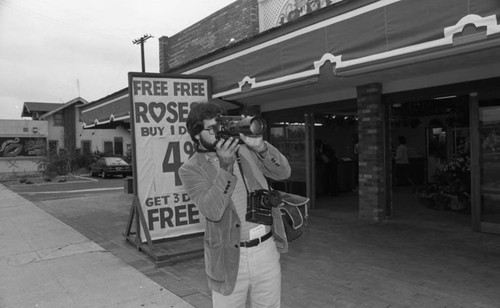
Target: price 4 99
(172, 160)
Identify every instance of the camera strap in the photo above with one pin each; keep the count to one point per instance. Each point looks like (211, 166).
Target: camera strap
(241, 170)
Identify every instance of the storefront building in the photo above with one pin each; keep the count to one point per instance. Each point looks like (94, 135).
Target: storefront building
(355, 75)
(105, 127)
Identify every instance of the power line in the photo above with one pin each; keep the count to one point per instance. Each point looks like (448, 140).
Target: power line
(141, 41)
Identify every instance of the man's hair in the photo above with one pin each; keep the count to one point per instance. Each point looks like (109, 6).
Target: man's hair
(200, 112)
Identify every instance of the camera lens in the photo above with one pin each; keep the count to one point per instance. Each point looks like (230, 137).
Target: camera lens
(233, 126)
(269, 199)
(257, 126)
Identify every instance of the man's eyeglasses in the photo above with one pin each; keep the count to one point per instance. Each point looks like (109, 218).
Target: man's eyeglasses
(210, 129)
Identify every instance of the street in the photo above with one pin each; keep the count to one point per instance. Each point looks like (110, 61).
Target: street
(89, 186)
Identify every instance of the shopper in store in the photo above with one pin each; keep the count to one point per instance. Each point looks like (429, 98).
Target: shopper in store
(326, 165)
(402, 164)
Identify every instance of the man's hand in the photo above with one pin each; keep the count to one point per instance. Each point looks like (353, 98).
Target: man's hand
(226, 151)
(257, 144)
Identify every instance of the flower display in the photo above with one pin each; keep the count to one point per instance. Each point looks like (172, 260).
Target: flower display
(457, 167)
(452, 187)
(491, 143)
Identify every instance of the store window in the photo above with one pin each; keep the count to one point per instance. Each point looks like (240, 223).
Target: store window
(108, 147)
(58, 119)
(489, 163)
(118, 145)
(86, 147)
(289, 139)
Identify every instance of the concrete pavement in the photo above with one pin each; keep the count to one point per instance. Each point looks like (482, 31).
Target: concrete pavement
(420, 258)
(46, 263)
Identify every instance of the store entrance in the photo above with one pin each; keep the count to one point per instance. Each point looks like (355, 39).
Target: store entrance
(336, 162)
(432, 180)
(335, 153)
(320, 145)
(486, 155)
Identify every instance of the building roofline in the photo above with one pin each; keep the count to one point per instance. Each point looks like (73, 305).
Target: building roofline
(106, 98)
(63, 106)
(27, 106)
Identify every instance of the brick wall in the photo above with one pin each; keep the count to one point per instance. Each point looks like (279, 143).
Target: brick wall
(238, 20)
(372, 195)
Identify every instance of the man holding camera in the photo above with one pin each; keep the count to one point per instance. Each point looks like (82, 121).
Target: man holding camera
(241, 257)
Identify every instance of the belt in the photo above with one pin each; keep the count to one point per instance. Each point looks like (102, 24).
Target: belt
(256, 241)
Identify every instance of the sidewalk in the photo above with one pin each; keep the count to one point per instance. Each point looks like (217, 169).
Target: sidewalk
(46, 263)
(420, 258)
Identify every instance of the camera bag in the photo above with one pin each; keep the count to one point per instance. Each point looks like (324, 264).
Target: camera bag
(294, 215)
(293, 209)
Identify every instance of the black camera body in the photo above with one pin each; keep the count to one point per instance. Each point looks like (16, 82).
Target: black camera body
(259, 205)
(233, 126)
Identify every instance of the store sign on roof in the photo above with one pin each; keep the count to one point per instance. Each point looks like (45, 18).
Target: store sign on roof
(275, 13)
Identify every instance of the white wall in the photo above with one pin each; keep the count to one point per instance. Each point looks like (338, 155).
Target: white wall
(56, 132)
(18, 127)
(99, 136)
(16, 167)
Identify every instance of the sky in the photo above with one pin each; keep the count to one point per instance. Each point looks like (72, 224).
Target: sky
(57, 50)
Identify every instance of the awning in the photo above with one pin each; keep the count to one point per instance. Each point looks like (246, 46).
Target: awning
(348, 41)
(365, 39)
(108, 112)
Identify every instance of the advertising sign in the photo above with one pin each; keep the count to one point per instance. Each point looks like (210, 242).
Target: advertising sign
(160, 106)
(22, 146)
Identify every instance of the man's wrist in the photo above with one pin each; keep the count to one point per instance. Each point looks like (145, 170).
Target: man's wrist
(262, 149)
(227, 167)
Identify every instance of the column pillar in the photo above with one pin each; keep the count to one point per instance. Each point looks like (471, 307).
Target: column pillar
(371, 114)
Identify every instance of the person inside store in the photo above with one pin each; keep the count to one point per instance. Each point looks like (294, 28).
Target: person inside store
(242, 258)
(327, 166)
(402, 164)
(332, 170)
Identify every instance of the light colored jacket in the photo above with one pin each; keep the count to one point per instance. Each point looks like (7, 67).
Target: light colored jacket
(401, 154)
(210, 189)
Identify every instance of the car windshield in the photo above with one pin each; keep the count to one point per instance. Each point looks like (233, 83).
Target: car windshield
(115, 161)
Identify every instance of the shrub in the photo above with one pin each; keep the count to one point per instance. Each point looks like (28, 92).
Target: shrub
(68, 162)
(63, 163)
(79, 161)
(56, 165)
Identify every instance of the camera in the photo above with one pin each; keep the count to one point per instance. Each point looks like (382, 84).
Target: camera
(233, 126)
(259, 205)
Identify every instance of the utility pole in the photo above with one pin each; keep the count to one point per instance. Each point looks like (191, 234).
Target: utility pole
(141, 41)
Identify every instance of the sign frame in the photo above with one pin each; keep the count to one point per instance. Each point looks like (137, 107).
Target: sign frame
(150, 245)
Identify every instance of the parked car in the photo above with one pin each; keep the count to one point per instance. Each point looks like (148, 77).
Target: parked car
(109, 166)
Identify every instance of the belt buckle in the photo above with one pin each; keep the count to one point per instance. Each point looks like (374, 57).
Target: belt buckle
(255, 242)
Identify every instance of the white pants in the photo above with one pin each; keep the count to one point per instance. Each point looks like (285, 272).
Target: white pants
(259, 275)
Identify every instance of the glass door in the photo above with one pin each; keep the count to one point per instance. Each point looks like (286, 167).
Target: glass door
(486, 199)
(290, 139)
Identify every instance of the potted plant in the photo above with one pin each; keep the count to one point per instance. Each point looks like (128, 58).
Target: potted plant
(452, 187)
(454, 182)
